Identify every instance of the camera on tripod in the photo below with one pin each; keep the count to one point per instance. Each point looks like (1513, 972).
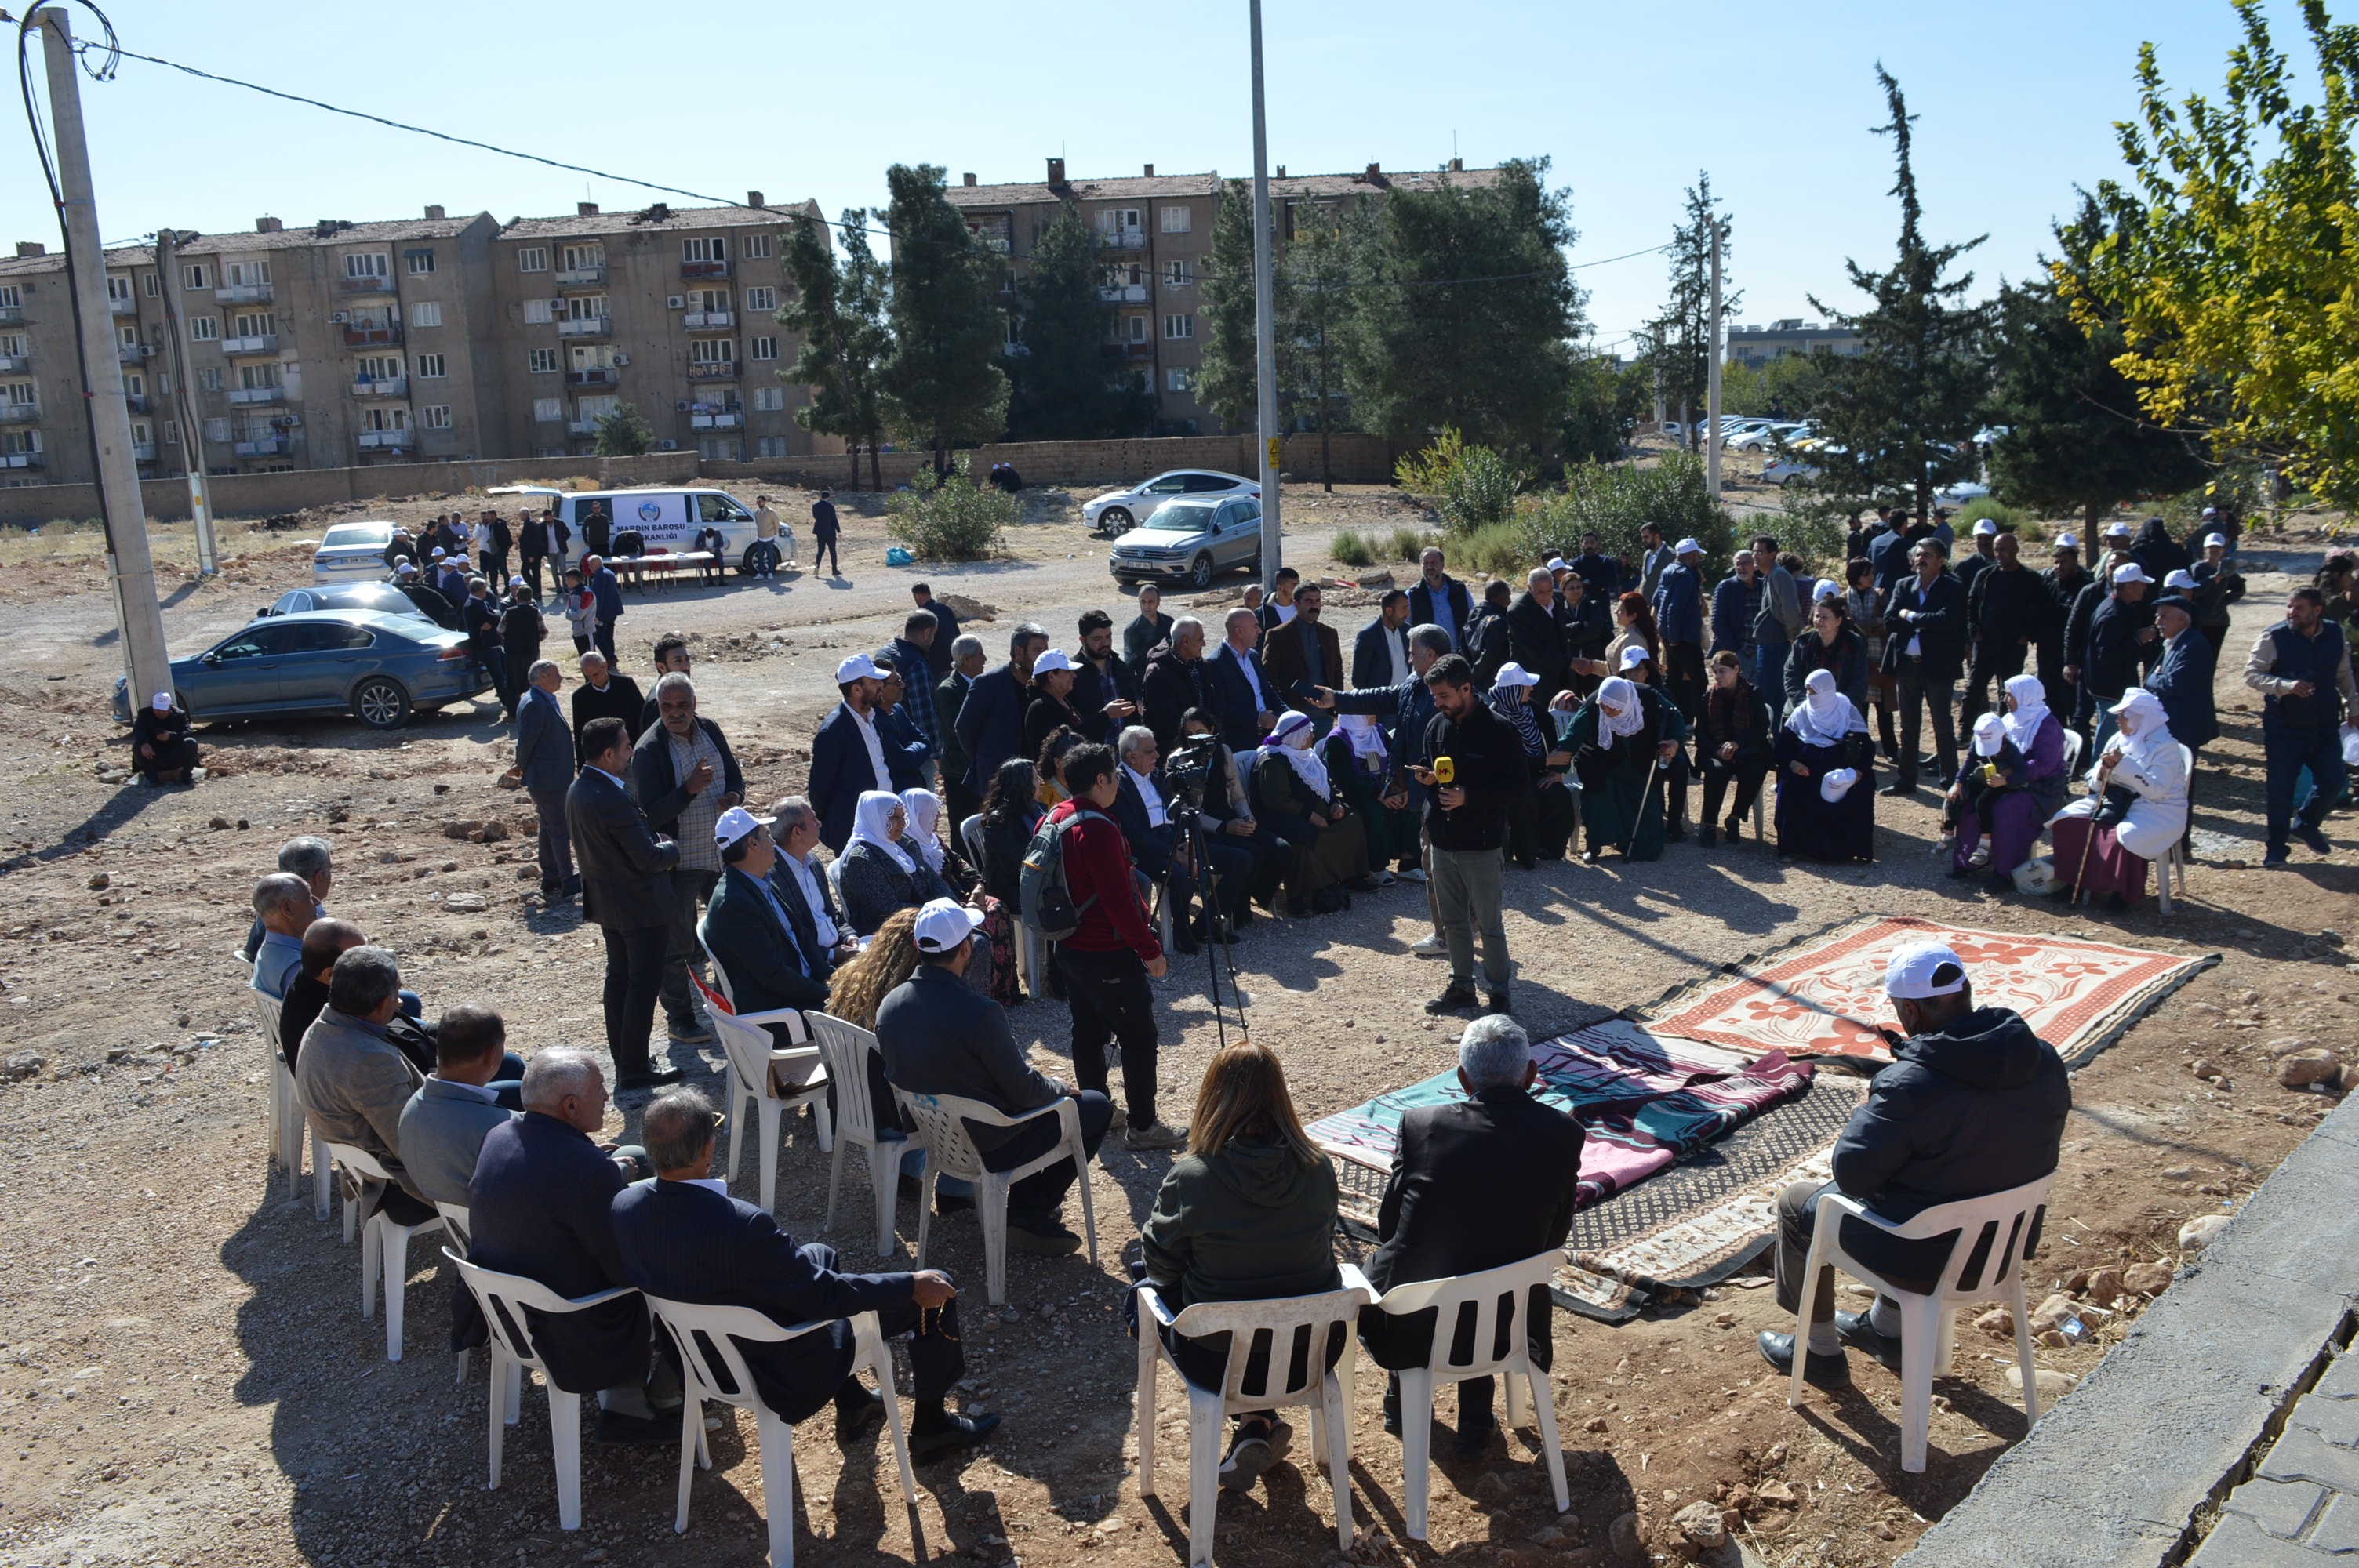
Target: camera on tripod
(1189, 769)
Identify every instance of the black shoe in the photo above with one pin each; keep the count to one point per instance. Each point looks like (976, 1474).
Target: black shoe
(854, 1422)
(572, 889)
(1186, 946)
(1392, 1407)
(2316, 841)
(1457, 999)
(551, 890)
(1959, 873)
(1900, 786)
(636, 1429)
(1298, 909)
(1676, 833)
(1706, 838)
(653, 1078)
(1734, 828)
(1824, 1371)
(1856, 1330)
(1364, 884)
(2276, 859)
(1496, 1006)
(955, 1435)
(695, 1031)
(1474, 1441)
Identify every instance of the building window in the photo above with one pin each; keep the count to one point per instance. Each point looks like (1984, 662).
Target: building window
(590, 307)
(385, 418)
(578, 257)
(203, 329)
(536, 313)
(254, 325)
(756, 247)
(418, 261)
(541, 362)
(242, 274)
(11, 296)
(434, 417)
(216, 429)
(118, 286)
(171, 432)
(255, 377)
(134, 384)
(366, 264)
(533, 258)
(12, 344)
(1179, 378)
(770, 447)
(209, 379)
(599, 356)
(1178, 219)
(707, 299)
(380, 367)
(764, 348)
(19, 394)
(147, 284)
(1179, 326)
(193, 275)
(1119, 221)
(431, 367)
(592, 409)
(1176, 275)
(548, 410)
(761, 300)
(711, 350)
(426, 315)
(770, 400)
(704, 248)
(1139, 328)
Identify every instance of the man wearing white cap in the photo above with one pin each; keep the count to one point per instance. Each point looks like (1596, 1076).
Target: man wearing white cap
(940, 1036)
(1974, 1103)
(2123, 644)
(2217, 586)
(848, 753)
(161, 751)
(429, 599)
(1678, 600)
(1983, 558)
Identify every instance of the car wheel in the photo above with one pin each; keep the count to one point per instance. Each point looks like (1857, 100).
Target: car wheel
(1113, 522)
(1199, 572)
(380, 703)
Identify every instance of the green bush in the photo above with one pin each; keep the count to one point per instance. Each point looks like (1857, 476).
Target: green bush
(1470, 486)
(1407, 544)
(1497, 549)
(2012, 519)
(951, 518)
(1351, 549)
(623, 433)
(1610, 500)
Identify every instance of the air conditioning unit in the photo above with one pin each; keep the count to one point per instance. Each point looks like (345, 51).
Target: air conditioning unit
(341, 317)
(680, 407)
(557, 303)
(622, 360)
(670, 446)
(675, 302)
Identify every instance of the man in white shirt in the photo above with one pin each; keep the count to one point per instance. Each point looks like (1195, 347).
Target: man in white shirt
(848, 754)
(1248, 706)
(1162, 852)
(820, 931)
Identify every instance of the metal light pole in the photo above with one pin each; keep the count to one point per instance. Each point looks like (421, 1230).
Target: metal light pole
(1273, 447)
(130, 574)
(1711, 413)
(184, 399)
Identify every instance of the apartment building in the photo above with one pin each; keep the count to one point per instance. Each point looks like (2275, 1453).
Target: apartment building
(1756, 346)
(1155, 239)
(349, 344)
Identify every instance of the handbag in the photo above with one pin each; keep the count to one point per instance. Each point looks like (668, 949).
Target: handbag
(2114, 807)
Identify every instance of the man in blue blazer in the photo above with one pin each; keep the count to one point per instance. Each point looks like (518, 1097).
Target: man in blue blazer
(849, 753)
(684, 1238)
(1924, 648)
(991, 720)
(2182, 681)
(1249, 704)
(1380, 652)
(749, 930)
(544, 766)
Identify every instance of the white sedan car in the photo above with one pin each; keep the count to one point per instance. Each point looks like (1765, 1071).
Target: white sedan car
(351, 552)
(1116, 511)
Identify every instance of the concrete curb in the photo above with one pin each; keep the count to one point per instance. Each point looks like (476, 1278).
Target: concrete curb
(2170, 1421)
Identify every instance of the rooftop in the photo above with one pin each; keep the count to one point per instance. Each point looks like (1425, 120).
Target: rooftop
(660, 216)
(1133, 188)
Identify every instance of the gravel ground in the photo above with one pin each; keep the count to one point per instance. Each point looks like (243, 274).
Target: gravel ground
(183, 1375)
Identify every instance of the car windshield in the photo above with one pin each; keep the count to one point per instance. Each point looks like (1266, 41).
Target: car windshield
(1182, 517)
(345, 534)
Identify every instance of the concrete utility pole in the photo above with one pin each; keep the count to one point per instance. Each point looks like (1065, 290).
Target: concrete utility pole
(1711, 414)
(1273, 445)
(184, 399)
(130, 574)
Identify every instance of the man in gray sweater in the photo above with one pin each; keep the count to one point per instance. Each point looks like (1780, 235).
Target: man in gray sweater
(940, 1037)
(443, 1125)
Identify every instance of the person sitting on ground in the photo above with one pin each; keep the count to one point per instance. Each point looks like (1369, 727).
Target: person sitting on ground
(882, 869)
(939, 1037)
(2003, 829)
(682, 1240)
(444, 1124)
(161, 751)
(1826, 777)
(284, 904)
(1294, 796)
(2135, 810)
(540, 1205)
(1974, 1103)
(1246, 1213)
(1476, 1184)
(354, 1082)
(748, 928)
(1734, 735)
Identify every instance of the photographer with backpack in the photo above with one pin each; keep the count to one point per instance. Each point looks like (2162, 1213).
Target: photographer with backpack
(1078, 893)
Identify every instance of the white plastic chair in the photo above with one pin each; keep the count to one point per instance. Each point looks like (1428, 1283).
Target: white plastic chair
(845, 1047)
(1031, 953)
(385, 1246)
(1508, 1287)
(456, 1226)
(942, 1130)
(2072, 754)
(706, 1338)
(1327, 1392)
(504, 1298)
(1928, 1323)
(2174, 859)
(752, 1053)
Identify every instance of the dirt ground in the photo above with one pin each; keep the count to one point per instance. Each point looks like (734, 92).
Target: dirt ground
(184, 1377)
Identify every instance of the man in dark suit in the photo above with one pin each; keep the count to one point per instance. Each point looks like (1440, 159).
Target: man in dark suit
(850, 753)
(949, 696)
(1476, 1184)
(908, 753)
(1303, 650)
(1148, 630)
(748, 928)
(540, 1205)
(814, 912)
(2183, 680)
(1924, 645)
(544, 766)
(684, 777)
(1537, 638)
(1437, 598)
(991, 721)
(1142, 804)
(1380, 652)
(1175, 680)
(1248, 702)
(626, 889)
(604, 693)
(686, 1242)
(946, 632)
(1105, 691)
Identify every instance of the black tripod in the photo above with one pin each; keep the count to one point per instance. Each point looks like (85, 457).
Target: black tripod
(1190, 820)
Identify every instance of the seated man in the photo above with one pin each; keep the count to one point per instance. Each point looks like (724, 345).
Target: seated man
(684, 1237)
(1974, 1103)
(747, 927)
(539, 1205)
(353, 1081)
(309, 858)
(939, 1036)
(283, 902)
(443, 1126)
(161, 752)
(324, 941)
(1476, 1184)
(1142, 805)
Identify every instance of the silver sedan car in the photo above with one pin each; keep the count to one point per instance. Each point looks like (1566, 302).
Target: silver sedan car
(1194, 539)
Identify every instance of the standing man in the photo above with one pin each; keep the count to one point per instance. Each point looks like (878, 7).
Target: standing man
(544, 766)
(603, 694)
(1983, 558)
(671, 657)
(1466, 823)
(1599, 575)
(1177, 681)
(946, 632)
(1678, 600)
(1248, 704)
(1654, 559)
(1924, 624)
(1736, 610)
(1278, 608)
(908, 755)
(597, 531)
(2182, 682)
(913, 654)
(492, 543)
(1380, 652)
(2301, 666)
(1537, 638)
(824, 533)
(1104, 690)
(1303, 650)
(1147, 630)
(607, 597)
(765, 538)
(2006, 606)
(1782, 617)
(2123, 644)
(949, 696)
(626, 889)
(481, 619)
(2217, 586)
(426, 597)
(1437, 598)
(2063, 582)
(532, 551)
(991, 721)
(521, 631)
(685, 776)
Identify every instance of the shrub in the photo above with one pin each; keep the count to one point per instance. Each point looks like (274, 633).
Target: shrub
(623, 433)
(951, 518)
(1496, 549)
(1612, 500)
(2012, 519)
(1407, 544)
(1351, 549)
(1470, 486)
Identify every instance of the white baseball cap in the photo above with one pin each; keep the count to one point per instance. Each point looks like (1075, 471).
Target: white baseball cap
(1557, 564)
(2117, 530)
(2133, 572)
(944, 924)
(2211, 512)
(1055, 659)
(1513, 674)
(860, 666)
(734, 824)
(2212, 539)
(2068, 540)
(2182, 578)
(1633, 656)
(1908, 975)
(1833, 786)
(516, 582)
(1984, 526)
(439, 552)
(407, 567)
(1825, 588)
(161, 702)
(1686, 548)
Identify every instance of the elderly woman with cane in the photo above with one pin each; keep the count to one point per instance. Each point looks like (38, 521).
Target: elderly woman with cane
(1618, 741)
(2135, 810)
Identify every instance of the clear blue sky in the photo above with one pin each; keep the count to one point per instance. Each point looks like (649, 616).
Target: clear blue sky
(2015, 101)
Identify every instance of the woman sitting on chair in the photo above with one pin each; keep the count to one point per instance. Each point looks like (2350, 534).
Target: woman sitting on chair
(2135, 811)
(2038, 738)
(883, 868)
(1826, 777)
(925, 809)
(1617, 741)
(1294, 796)
(1247, 1213)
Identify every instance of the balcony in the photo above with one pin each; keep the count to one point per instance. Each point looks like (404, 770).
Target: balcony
(582, 426)
(19, 413)
(371, 337)
(384, 441)
(580, 276)
(1123, 294)
(364, 285)
(245, 396)
(726, 370)
(122, 307)
(268, 447)
(707, 320)
(14, 365)
(12, 315)
(722, 419)
(599, 377)
(134, 353)
(382, 386)
(143, 452)
(1123, 240)
(135, 402)
(586, 327)
(704, 269)
(243, 293)
(20, 460)
(255, 343)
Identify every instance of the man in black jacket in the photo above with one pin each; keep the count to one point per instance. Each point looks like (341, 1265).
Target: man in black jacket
(685, 776)
(1924, 620)
(2063, 583)
(521, 630)
(1974, 1103)
(991, 720)
(1466, 824)
(1437, 598)
(1537, 638)
(481, 616)
(604, 693)
(1105, 692)
(748, 929)
(428, 600)
(2006, 608)
(626, 889)
(1174, 680)
(1476, 1184)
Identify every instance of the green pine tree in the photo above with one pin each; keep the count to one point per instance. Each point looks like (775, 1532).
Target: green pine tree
(1063, 389)
(621, 433)
(1680, 341)
(941, 379)
(1226, 381)
(839, 310)
(1320, 278)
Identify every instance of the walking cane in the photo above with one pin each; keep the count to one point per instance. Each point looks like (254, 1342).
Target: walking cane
(1644, 795)
(2098, 794)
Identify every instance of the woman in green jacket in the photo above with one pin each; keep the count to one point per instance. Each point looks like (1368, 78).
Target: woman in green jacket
(1294, 795)
(1246, 1214)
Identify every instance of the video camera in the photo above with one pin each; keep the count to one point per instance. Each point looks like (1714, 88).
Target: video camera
(1189, 768)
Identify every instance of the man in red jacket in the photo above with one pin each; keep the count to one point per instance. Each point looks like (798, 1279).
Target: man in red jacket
(1111, 952)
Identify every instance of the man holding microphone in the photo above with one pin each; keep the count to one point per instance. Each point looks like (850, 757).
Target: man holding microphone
(1466, 824)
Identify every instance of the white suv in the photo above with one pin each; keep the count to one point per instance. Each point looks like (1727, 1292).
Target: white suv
(1115, 513)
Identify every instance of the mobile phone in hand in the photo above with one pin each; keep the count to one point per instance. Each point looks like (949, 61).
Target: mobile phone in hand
(1305, 690)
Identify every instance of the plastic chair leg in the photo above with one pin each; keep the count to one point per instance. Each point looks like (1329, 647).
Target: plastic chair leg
(1338, 1456)
(691, 1436)
(925, 1209)
(736, 1104)
(322, 1179)
(991, 1207)
(1514, 1391)
(368, 1261)
(768, 1110)
(1089, 1209)
(1151, 1356)
(884, 1189)
(2023, 1349)
(825, 1122)
(495, 1397)
(565, 1439)
(1544, 1405)
(514, 1410)
(1919, 1317)
(880, 1366)
(1417, 1445)
(1945, 1342)
(778, 1440)
(393, 1253)
(834, 1184)
(1205, 1424)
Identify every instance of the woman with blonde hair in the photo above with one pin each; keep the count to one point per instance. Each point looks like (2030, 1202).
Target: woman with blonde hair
(1246, 1213)
(854, 990)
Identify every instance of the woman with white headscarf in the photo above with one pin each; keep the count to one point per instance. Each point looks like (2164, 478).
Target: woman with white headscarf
(1295, 796)
(1541, 822)
(884, 868)
(1826, 777)
(1359, 764)
(2141, 768)
(2016, 816)
(1619, 742)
